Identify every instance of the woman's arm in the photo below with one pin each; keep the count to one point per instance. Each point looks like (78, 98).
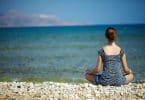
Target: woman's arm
(124, 65)
(98, 67)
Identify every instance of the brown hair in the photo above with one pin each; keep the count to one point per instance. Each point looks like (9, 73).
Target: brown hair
(111, 34)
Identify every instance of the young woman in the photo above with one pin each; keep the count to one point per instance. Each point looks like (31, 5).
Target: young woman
(114, 70)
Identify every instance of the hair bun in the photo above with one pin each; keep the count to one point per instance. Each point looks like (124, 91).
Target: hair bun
(111, 34)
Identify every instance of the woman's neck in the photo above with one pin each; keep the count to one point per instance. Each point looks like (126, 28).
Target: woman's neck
(111, 43)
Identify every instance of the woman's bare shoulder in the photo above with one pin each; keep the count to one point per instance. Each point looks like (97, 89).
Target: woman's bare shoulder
(111, 50)
(104, 47)
(118, 47)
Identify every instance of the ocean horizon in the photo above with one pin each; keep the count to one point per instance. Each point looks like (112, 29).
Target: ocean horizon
(64, 53)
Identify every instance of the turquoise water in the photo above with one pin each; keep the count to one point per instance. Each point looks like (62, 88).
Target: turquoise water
(64, 53)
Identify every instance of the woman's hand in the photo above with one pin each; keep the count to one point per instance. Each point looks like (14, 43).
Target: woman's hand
(128, 72)
(91, 72)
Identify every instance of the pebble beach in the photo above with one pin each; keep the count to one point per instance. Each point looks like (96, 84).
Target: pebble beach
(70, 91)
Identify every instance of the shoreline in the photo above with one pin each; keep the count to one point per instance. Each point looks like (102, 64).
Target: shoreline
(69, 91)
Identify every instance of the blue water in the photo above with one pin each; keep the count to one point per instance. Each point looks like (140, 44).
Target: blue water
(64, 53)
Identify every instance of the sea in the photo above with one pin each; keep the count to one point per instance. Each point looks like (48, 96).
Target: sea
(64, 53)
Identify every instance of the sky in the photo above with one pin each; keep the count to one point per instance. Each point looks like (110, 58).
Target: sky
(17, 13)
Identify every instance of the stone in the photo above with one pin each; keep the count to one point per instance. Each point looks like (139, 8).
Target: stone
(18, 86)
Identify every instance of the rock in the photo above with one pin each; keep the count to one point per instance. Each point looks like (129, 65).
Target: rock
(139, 95)
(143, 85)
(121, 94)
(86, 85)
(18, 86)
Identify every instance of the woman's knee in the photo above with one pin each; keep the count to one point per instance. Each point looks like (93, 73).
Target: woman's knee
(129, 77)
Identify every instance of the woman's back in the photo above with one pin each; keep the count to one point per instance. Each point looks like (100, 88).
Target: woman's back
(112, 69)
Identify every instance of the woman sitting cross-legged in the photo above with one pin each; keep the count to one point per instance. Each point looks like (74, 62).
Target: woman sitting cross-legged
(111, 60)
